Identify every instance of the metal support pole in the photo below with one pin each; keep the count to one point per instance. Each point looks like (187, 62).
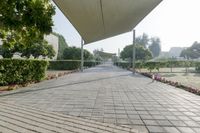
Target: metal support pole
(133, 52)
(82, 55)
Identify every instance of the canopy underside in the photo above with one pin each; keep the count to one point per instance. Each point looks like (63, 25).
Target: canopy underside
(100, 19)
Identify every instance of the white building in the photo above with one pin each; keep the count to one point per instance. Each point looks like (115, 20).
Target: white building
(176, 51)
(54, 41)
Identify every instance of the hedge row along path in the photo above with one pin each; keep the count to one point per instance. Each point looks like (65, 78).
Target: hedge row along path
(104, 94)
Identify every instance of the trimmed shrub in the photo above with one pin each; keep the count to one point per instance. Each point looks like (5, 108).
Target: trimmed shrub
(70, 64)
(91, 63)
(19, 71)
(157, 65)
(124, 65)
(64, 65)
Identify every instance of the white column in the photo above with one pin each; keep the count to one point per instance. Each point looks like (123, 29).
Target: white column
(134, 52)
(82, 55)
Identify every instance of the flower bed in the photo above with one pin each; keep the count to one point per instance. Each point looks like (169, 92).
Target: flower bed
(175, 84)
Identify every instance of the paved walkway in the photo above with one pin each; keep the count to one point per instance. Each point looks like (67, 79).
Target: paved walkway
(20, 119)
(112, 95)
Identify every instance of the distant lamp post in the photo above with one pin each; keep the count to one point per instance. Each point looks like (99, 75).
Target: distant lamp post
(82, 55)
(133, 61)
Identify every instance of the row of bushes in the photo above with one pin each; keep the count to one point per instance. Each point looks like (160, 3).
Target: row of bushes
(70, 64)
(157, 65)
(19, 71)
(172, 83)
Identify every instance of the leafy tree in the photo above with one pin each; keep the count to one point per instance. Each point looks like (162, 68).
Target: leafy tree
(51, 52)
(142, 40)
(192, 52)
(141, 53)
(20, 14)
(73, 53)
(62, 45)
(23, 24)
(155, 47)
(38, 50)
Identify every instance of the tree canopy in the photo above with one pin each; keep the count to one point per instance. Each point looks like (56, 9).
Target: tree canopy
(24, 14)
(142, 40)
(155, 46)
(23, 24)
(141, 53)
(62, 45)
(192, 52)
(74, 53)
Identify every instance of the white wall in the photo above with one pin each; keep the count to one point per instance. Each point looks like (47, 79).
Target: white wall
(53, 40)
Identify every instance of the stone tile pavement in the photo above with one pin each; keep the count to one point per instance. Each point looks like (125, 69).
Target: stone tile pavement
(111, 95)
(20, 119)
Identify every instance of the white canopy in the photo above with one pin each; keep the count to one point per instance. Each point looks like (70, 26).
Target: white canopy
(99, 19)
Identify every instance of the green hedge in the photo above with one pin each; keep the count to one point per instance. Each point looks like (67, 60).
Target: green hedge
(64, 65)
(158, 65)
(70, 64)
(19, 71)
(91, 63)
(124, 65)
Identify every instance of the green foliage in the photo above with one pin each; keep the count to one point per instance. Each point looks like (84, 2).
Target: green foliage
(73, 53)
(125, 65)
(20, 14)
(17, 71)
(62, 45)
(36, 50)
(142, 40)
(91, 63)
(1, 52)
(70, 64)
(157, 65)
(155, 47)
(192, 52)
(23, 23)
(64, 65)
(141, 53)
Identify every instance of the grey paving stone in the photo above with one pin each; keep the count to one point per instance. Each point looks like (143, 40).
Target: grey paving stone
(184, 118)
(137, 122)
(195, 119)
(123, 121)
(158, 117)
(146, 117)
(135, 117)
(178, 123)
(171, 130)
(171, 117)
(150, 123)
(192, 123)
(197, 130)
(113, 95)
(164, 123)
(156, 129)
(186, 130)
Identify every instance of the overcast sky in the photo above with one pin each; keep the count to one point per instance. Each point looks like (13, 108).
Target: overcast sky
(175, 22)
